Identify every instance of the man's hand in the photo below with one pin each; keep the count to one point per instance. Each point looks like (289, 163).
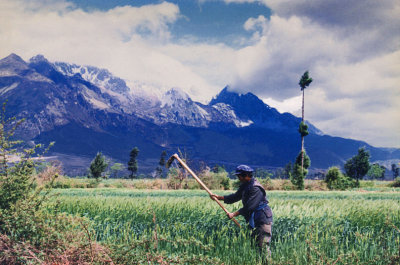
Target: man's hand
(231, 215)
(216, 197)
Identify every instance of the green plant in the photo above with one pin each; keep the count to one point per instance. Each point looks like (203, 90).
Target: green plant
(396, 183)
(132, 163)
(309, 227)
(29, 232)
(358, 166)
(116, 169)
(266, 182)
(303, 129)
(98, 166)
(215, 180)
(93, 183)
(300, 171)
(335, 180)
(140, 184)
(376, 171)
(304, 82)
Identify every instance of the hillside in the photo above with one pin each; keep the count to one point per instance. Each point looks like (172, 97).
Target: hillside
(85, 109)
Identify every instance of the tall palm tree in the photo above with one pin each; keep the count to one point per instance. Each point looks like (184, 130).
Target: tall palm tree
(305, 81)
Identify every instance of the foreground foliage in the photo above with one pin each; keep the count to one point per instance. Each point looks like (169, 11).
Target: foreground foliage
(29, 233)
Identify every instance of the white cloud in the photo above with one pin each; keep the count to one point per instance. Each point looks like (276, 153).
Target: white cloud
(291, 105)
(129, 41)
(352, 55)
(284, 50)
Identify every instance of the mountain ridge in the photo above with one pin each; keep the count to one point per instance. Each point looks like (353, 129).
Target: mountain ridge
(87, 109)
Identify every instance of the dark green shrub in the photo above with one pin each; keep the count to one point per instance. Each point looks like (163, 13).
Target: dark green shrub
(226, 183)
(299, 173)
(303, 129)
(396, 183)
(335, 180)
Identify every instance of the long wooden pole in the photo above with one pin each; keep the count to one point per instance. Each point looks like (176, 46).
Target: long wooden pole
(202, 185)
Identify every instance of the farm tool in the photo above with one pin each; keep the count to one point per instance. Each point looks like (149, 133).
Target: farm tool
(176, 157)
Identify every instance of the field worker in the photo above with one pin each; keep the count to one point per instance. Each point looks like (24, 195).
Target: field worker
(255, 207)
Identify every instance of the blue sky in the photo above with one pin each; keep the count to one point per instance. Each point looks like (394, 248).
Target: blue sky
(351, 49)
(214, 21)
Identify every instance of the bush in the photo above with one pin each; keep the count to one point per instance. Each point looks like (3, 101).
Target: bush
(215, 180)
(140, 184)
(93, 183)
(335, 180)
(176, 177)
(31, 230)
(119, 185)
(396, 183)
(191, 184)
(288, 185)
(367, 184)
(266, 183)
(62, 185)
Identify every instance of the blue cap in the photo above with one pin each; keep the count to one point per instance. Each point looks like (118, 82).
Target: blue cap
(243, 169)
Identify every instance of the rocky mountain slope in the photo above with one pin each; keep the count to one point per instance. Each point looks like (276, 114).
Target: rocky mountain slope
(86, 109)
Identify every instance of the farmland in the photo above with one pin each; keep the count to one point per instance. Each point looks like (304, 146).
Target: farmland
(349, 227)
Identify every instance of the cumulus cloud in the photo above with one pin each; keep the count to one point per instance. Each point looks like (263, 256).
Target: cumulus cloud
(132, 42)
(351, 50)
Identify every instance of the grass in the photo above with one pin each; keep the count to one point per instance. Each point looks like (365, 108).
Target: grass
(349, 227)
(162, 184)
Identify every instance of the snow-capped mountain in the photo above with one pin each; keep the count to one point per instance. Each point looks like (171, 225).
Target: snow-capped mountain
(86, 109)
(150, 103)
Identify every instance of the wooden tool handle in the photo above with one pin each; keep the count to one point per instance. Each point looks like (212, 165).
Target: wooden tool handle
(202, 185)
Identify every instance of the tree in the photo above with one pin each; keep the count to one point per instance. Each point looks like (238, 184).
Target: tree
(161, 165)
(357, 166)
(288, 171)
(98, 166)
(395, 171)
(261, 173)
(376, 171)
(300, 171)
(304, 82)
(115, 169)
(132, 164)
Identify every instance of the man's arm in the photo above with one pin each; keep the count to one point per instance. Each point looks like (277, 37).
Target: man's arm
(229, 199)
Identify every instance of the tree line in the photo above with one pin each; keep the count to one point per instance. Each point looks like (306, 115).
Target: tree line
(99, 165)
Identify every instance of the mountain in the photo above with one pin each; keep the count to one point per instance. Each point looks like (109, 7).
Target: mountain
(85, 109)
(249, 107)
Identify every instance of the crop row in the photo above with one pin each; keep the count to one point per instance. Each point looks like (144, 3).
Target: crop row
(309, 227)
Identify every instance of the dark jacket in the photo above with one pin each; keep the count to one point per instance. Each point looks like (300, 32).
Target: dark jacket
(252, 195)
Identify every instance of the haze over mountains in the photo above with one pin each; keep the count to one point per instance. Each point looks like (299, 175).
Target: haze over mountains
(85, 109)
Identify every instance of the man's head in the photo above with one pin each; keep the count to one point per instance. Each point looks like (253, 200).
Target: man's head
(244, 173)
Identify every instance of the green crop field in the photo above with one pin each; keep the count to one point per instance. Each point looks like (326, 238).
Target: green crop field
(188, 227)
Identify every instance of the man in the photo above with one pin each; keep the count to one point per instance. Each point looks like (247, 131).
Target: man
(255, 206)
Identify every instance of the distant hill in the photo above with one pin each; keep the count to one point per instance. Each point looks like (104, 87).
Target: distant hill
(85, 109)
